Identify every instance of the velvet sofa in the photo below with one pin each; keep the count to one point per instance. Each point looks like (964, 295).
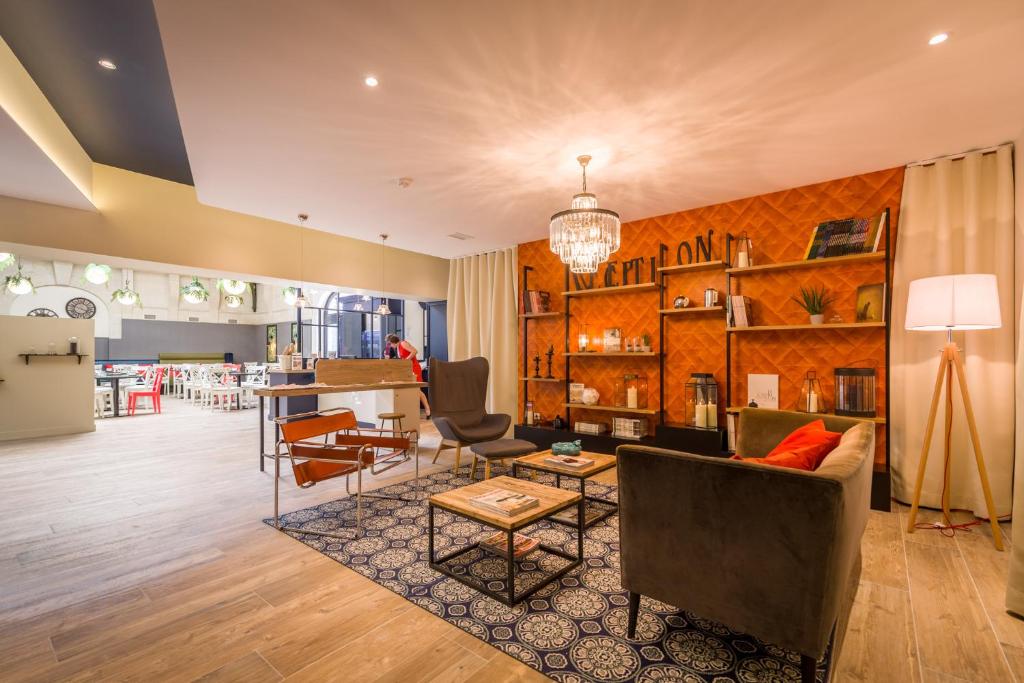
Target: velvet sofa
(769, 551)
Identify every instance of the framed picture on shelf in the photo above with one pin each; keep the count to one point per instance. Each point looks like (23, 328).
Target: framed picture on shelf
(871, 303)
(763, 390)
(576, 392)
(612, 339)
(295, 333)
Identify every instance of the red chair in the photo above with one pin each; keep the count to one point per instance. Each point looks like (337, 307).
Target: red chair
(306, 442)
(152, 393)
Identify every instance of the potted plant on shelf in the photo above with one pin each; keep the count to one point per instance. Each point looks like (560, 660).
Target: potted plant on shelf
(645, 343)
(814, 300)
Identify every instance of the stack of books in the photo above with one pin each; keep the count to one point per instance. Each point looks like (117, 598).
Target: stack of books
(591, 427)
(521, 545)
(629, 428)
(504, 502)
(740, 311)
(845, 236)
(571, 461)
(535, 301)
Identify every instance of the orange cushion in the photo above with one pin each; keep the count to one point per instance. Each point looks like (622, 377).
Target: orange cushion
(803, 449)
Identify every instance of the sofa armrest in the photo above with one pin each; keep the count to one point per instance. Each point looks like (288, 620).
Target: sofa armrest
(766, 550)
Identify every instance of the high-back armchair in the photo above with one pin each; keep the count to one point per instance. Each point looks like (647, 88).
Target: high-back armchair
(769, 551)
(458, 394)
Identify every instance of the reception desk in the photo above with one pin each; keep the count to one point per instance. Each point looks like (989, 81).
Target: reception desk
(368, 387)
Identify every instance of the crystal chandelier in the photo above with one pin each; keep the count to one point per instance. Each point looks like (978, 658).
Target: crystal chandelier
(584, 236)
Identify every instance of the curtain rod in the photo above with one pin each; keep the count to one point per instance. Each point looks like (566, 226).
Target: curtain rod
(960, 155)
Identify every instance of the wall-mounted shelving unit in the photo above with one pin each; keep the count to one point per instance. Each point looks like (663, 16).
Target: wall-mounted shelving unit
(611, 409)
(824, 327)
(611, 354)
(692, 310)
(30, 356)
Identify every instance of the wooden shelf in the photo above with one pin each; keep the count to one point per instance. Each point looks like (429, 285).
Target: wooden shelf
(692, 267)
(805, 326)
(550, 314)
(877, 420)
(541, 379)
(810, 263)
(611, 354)
(611, 409)
(28, 356)
(696, 309)
(621, 289)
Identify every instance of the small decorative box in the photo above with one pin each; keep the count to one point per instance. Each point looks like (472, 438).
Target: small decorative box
(566, 448)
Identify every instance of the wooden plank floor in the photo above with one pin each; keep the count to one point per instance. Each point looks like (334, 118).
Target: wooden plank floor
(137, 553)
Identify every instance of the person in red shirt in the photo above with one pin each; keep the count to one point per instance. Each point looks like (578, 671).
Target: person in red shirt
(404, 349)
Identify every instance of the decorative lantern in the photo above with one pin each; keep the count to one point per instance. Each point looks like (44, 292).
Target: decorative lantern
(744, 252)
(811, 400)
(583, 338)
(701, 393)
(855, 392)
(631, 391)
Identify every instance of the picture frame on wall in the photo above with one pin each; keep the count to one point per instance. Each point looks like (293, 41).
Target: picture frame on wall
(271, 343)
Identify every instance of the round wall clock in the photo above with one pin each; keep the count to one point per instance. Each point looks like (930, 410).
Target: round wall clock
(80, 307)
(42, 313)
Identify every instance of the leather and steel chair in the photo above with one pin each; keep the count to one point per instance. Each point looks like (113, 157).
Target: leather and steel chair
(329, 444)
(458, 393)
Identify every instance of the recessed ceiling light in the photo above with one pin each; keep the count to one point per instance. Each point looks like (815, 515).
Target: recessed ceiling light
(107, 64)
(938, 38)
(371, 81)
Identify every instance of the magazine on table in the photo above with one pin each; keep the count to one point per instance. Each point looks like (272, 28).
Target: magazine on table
(571, 461)
(498, 544)
(504, 502)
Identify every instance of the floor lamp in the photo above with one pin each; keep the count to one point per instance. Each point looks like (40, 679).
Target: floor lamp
(953, 302)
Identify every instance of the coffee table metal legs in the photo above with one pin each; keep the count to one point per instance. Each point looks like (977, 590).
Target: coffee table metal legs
(610, 507)
(508, 597)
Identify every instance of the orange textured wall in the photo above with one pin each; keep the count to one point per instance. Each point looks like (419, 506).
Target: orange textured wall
(779, 224)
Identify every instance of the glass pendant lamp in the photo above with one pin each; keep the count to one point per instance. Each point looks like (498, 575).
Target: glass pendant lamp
(583, 235)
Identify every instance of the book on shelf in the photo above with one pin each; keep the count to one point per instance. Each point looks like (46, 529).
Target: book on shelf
(504, 502)
(522, 545)
(730, 424)
(629, 428)
(572, 461)
(536, 301)
(590, 427)
(845, 236)
(740, 311)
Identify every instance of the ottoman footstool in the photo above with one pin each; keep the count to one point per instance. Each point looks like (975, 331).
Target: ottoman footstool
(499, 450)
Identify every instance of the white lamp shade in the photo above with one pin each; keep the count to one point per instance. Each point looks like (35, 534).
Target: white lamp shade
(954, 302)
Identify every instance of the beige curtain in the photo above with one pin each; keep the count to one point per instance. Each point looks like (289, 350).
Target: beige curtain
(483, 319)
(1015, 585)
(956, 216)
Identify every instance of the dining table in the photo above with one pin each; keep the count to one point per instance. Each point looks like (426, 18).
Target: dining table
(114, 379)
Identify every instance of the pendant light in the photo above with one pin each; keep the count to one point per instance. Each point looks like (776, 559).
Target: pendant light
(126, 296)
(19, 284)
(6, 259)
(583, 235)
(97, 273)
(235, 287)
(383, 309)
(301, 301)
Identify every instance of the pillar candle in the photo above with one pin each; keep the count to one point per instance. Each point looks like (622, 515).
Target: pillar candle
(631, 397)
(701, 413)
(713, 415)
(812, 402)
(741, 260)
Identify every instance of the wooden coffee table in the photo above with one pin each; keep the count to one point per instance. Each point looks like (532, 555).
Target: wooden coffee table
(552, 502)
(602, 462)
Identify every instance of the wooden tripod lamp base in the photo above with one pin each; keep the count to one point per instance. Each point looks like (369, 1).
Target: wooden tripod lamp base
(953, 302)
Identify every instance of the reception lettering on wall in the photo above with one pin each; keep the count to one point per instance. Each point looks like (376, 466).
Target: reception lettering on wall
(630, 272)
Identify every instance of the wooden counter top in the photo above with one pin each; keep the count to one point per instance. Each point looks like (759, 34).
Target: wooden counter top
(315, 389)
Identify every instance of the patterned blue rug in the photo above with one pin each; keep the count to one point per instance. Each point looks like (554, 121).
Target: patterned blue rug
(571, 630)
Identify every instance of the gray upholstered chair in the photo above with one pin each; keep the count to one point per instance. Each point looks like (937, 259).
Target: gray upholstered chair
(769, 551)
(458, 392)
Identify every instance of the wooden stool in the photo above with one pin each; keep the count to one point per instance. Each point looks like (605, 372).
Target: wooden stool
(396, 418)
(500, 449)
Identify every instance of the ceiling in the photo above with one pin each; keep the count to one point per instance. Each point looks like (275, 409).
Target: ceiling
(124, 118)
(485, 105)
(27, 172)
